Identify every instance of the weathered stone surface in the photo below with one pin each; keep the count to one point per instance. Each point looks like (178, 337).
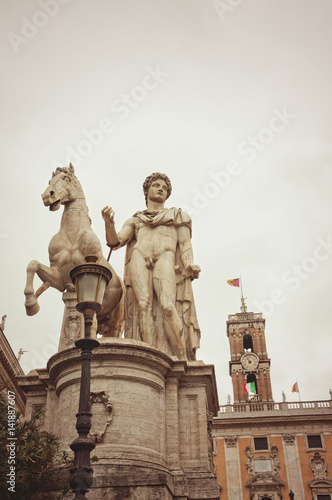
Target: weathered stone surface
(157, 444)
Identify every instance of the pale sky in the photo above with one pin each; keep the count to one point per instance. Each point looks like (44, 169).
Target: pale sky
(233, 104)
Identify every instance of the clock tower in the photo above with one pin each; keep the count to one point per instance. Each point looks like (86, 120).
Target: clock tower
(249, 366)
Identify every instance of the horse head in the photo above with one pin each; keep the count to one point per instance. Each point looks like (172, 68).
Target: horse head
(63, 188)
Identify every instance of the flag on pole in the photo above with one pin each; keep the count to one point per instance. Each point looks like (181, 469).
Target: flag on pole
(250, 388)
(235, 282)
(295, 387)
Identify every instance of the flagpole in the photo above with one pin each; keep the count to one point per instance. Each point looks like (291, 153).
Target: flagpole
(297, 383)
(243, 305)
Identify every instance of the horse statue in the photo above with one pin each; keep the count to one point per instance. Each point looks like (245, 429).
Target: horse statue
(69, 248)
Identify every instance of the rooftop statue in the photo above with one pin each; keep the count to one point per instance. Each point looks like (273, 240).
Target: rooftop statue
(159, 269)
(69, 248)
(3, 322)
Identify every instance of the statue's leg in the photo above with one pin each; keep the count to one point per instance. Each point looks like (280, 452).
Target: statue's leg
(141, 279)
(42, 289)
(114, 324)
(31, 304)
(111, 316)
(50, 276)
(165, 287)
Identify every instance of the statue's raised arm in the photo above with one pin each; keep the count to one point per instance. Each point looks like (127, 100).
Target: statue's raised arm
(113, 239)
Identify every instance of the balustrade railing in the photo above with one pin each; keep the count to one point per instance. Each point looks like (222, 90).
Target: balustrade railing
(245, 316)
(256, 406)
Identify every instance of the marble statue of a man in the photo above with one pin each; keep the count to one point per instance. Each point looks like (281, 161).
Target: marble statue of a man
(159, 270)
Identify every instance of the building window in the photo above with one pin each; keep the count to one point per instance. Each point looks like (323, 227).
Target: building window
(252, 378)
(261, 443)
(247, 343)
(323, 497)
(315, 441)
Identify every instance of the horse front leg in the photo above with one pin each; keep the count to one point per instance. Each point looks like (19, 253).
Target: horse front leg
(51, 276)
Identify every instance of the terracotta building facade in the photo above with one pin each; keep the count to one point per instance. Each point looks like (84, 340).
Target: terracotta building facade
(264, 450)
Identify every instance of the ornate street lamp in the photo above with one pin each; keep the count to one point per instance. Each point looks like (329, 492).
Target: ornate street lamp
(90, 281)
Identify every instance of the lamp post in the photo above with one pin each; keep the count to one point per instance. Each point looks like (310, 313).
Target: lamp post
(90, 280)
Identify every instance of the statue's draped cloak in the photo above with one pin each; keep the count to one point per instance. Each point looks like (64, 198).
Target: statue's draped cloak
(184, 294)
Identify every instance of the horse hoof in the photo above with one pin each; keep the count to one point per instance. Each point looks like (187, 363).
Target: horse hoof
(31, 310)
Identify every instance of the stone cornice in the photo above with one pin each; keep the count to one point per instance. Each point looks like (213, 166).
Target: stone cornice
(125, 352)
(11, 380)
(278, 421)
(8, 355)
(243, 318)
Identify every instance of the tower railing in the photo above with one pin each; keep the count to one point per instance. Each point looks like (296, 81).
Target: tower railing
(245, 316)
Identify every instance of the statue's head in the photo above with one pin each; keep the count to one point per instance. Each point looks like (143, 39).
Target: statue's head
(153, 177)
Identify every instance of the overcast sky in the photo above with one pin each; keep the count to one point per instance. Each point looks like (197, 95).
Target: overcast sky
(232, 100)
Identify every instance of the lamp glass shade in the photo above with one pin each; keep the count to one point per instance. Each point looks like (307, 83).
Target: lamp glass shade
(90, 281)
(90, 288)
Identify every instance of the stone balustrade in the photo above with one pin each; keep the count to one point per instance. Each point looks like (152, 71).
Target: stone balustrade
(288, 407)
(245, 316)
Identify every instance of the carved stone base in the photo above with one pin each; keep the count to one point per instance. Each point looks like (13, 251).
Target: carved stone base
(158, 443)
(72, 323)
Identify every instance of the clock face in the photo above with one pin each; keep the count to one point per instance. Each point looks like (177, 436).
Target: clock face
(250, 361)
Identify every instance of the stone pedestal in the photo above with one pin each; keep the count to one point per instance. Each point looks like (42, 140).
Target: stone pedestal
(151, 419)
(72, 324)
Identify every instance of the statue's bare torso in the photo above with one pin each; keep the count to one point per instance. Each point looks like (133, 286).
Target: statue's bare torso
(151, 241)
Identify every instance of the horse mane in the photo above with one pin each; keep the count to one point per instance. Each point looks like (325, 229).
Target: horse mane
(70, 171)
(66, 170)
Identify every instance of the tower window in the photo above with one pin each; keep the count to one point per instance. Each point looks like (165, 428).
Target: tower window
(261, 443)
(247, 343)
(252, 378)
(314, 441)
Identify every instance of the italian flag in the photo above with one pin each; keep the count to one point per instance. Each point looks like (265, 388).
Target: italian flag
(250, 387)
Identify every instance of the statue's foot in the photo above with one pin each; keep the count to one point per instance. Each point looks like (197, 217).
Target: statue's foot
(182, 354)
(181, 351)
(70, 287)
(31, 306)
(108, 329)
